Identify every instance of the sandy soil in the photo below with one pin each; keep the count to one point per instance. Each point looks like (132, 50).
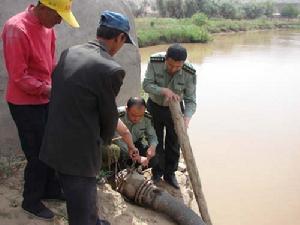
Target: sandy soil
(112, 205)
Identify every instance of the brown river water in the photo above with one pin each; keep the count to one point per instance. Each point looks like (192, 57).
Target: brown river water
(245, 134)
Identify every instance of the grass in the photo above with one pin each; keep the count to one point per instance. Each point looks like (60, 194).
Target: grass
(153, 31)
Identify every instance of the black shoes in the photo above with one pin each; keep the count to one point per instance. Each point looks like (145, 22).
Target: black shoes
(102, 222)
(39, 211)
(171, 179)
(156, 178)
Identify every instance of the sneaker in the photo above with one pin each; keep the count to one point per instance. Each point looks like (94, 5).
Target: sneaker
(39, 211)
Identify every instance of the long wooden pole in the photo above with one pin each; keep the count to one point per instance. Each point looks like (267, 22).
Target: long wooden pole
(189, 159)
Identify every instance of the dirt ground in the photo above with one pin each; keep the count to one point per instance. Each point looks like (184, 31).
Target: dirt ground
(112, 205)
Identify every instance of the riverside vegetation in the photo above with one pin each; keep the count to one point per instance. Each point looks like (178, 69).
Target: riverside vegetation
(199, 28)
(196, 20)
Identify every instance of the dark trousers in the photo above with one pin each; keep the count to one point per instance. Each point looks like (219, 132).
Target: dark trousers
(81, 197)
(168, 149)
(40, 180)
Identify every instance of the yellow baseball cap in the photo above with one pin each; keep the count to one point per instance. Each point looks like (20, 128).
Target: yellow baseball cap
(63, 8)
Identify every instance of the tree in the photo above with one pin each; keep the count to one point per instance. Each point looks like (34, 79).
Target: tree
(289, 11)
(228, 10)
(138, 9)
(253, 10)
(174, 8)
(190, 8)
(268, 8)
(161, 8)
(210, 8)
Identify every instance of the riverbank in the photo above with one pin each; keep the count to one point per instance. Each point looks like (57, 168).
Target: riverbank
(153, 31)
(112, 206)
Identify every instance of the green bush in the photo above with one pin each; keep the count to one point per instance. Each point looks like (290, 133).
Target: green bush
(199, 19)
(168, 30)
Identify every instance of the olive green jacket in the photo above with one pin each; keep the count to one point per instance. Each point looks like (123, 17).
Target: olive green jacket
(182, 83)
(142, 130)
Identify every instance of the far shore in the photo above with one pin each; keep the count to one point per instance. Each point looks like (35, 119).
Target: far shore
(154, 31)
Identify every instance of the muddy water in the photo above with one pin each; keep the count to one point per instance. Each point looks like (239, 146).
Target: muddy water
(246, 131)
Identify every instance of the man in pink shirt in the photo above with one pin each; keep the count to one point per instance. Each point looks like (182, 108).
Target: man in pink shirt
(29, 53)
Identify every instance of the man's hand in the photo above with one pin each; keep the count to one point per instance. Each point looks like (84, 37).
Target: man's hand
(134, 153)
(150, 152)
(143, 161)
(47, 91)
(186, 121)
(169, 95)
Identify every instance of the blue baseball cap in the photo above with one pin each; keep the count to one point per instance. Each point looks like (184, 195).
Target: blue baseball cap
(117, 21)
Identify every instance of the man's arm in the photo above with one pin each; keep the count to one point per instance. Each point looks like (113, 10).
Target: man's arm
(53, 49)
(152, 139)
(149, 84)
(127, 138)
(189, 98)
(108, 113)
(17, 56)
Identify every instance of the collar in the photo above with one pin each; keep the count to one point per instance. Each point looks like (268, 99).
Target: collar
(179, 72)
(31, 17)
(127, 120)
(99, 44)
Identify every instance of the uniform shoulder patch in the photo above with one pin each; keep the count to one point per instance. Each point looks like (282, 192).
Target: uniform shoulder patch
(158, 57)
(121, 109)
(148, 115)
(121, 113)
(189, 68)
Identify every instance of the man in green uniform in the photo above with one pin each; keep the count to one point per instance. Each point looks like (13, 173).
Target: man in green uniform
(168, 78)
(143, 134)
